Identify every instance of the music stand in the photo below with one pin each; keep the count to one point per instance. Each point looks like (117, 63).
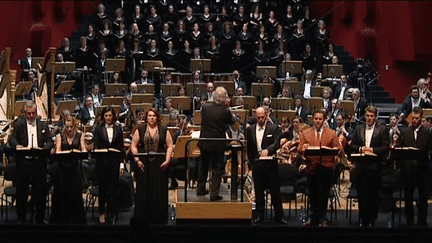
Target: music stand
(196, 88)
(115, 89)
(145, 106)
(152, 65)
(169, 89)
(106, 101)
(267, 89)
(228, 85)
(173, 130)
(332, 70)
(321, 152)
(204, 65)
(64, 67)
(194, 128)
(115, 64)
(314, 103)
(142, 98)
(181, 102)
(23, 88)
(19, 107)
(146, 88)
(250, 102)
(270, 71)
(362, 157)
(317, 91)
(293, 67)
(285, 113)
(348, 106)
(409, 153)
(70, 155)
(66, 104)
(99, 109)
(241, 114)
(179, 149)
(65, 87)
(197, 118)
(36, 60)
(295, 86)
(281, 103)
(427, 112)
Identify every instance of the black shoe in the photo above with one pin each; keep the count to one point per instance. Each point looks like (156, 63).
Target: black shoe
(203, 193)
(216, 198)
(281, 220)
(258, 220)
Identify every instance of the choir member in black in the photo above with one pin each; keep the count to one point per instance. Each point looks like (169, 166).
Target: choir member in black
(240, 19)
(196, 37)
(66, 51)
(289, 21)
(171, 17)
(120, 51)
(309, 59)
(270, 24)
(154, 19)
(209, 32)
(184, 57)
(170, 55)
(138, 18)
(67, 201)
(212, 53)
(153, 51)
(278, 54)
(119, 17)
(206, 18)
(246, 39)
(135, 33)
(121, 35)
(263, 37)
(226, 40)
(255, 19)
(149, 35)
(180, 34)
(100, 17)
(107, 35)
(31, 170)
(189, 19)
(84, 57)
(238, 56)
(222, 18)
(108, 135)
(100, 67)
(134, 59)
(308, 22)
(163, 5)
(299, 40)
(328, 56)
(280, 36)
(322, 39)
(261, 56)
(151, 200)
(165, 37)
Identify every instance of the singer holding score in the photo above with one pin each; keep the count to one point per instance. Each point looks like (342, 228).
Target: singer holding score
(31, 165)
(319, 169)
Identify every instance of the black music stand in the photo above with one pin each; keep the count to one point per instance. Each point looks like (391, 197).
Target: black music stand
(362, 157)
(409, 153)
(332, 70)
(31, 151)
(142, 98)
(115, 89)
(106, 101)
(294, 67)
(146, 88)
(200, 64)
(73, 154)
(282, 103)
(228, 85)
(66, 104)
(269, 71)
(181, 103)
(106, 152)
(23, 88)
(170, 89)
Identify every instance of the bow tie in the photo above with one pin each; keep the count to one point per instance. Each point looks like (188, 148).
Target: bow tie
(109, 126)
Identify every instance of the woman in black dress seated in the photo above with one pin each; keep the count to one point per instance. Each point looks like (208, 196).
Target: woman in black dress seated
(151, 200)
(66, 175)
(108, 135)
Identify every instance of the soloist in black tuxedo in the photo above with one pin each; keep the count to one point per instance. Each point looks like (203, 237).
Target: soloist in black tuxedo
(415, 173)
(31, 169)
(108, 166)
(369, 172)
(265, 173)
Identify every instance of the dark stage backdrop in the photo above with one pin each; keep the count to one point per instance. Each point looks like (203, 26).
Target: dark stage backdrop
(39, 24)
(394, 33)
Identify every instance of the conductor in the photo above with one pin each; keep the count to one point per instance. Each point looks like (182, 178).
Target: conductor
(215, 118)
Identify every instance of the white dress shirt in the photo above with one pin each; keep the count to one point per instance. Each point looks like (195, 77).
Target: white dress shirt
(32, 134)
(368, 134)
(260, 136)
(307, 89)
(110, 132)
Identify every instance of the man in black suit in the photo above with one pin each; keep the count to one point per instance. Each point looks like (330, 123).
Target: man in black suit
(215, 117)
(239, 83)
(307, 84)
(360, 104)
(26, 63)
(300, 110)
(31, 169)
(412, 101)
(415, 172)
(262, 141)
(88, 112)
(144, 78)
(341, 89)
(370, 137)
(209, 91)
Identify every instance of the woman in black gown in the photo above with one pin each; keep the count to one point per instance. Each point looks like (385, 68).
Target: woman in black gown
(151, 200)
(66, 175)
(108, 135)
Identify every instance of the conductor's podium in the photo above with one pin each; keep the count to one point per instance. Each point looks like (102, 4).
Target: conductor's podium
(200, 210)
